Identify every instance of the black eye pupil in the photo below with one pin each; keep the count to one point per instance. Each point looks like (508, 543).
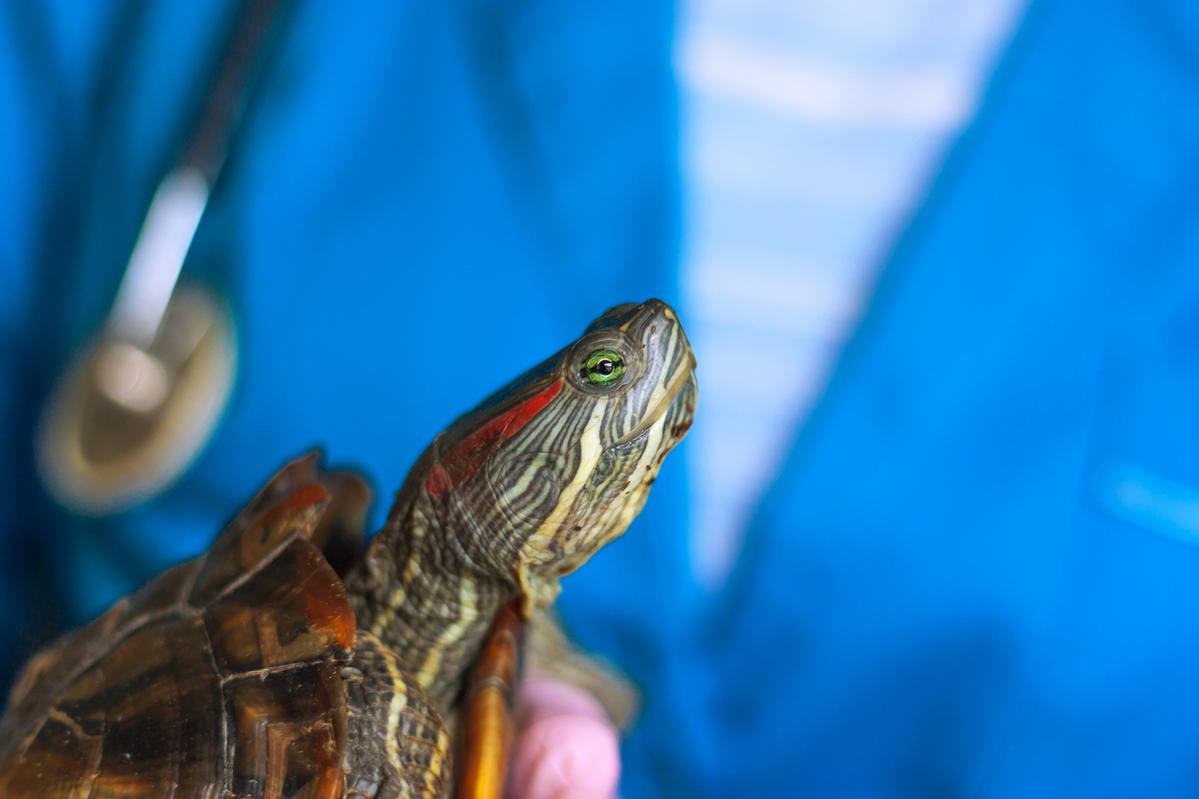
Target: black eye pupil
(602, 368)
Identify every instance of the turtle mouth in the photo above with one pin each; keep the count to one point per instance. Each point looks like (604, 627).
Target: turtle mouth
(679, 383)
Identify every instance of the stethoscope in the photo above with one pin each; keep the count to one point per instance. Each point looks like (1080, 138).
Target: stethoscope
(134, 409)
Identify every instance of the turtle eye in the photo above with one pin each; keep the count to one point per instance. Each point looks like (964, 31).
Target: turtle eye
(602, 368)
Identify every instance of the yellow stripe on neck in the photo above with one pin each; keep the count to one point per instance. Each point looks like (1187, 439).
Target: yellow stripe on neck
(589, 455)
(468, 611)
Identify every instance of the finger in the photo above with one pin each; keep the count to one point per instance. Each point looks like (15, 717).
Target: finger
(566, 748)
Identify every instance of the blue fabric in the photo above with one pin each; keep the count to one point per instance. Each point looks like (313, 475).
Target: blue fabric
(977, 572)
(424, 198)
(959, 583)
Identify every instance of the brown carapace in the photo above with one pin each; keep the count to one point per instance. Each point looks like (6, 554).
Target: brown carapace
(257, 671)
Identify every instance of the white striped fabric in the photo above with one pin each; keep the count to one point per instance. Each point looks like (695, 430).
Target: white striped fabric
(811, 128)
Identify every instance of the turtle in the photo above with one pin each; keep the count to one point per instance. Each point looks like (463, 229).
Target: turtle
(283, 662)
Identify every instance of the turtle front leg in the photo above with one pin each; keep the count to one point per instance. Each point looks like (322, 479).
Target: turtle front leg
(397, 743)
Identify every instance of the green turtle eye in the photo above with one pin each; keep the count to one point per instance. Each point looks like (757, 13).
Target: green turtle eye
(602, 368)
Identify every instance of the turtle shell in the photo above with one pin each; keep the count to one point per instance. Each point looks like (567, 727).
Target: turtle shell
(220, 678)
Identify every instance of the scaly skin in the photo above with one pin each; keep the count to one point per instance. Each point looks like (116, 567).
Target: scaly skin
(523, 490)
(254, 671)
(397, 745)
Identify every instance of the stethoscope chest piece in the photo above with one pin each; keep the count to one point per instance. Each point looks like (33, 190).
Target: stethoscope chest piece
(126, 419)
(133, 411)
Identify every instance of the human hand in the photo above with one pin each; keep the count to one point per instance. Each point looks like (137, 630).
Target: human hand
(566, 748)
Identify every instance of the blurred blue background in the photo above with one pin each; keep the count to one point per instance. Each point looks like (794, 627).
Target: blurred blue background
(934, 532)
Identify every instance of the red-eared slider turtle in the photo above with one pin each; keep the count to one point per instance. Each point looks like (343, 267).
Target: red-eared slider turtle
(255, 671)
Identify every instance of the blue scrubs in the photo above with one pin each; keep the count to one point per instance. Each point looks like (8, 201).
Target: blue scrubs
(977, 572)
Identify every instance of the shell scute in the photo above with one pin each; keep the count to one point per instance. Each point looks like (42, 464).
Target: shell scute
(162, 720)
(240, 550)
(61, 759)
(221, 675)
(293, 609)
(290, 731)
(162, 594)
(132, 725)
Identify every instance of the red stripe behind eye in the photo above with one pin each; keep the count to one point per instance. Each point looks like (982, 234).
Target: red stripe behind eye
(470, 453)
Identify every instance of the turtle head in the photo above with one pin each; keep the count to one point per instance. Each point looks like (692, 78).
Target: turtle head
(558, 463)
